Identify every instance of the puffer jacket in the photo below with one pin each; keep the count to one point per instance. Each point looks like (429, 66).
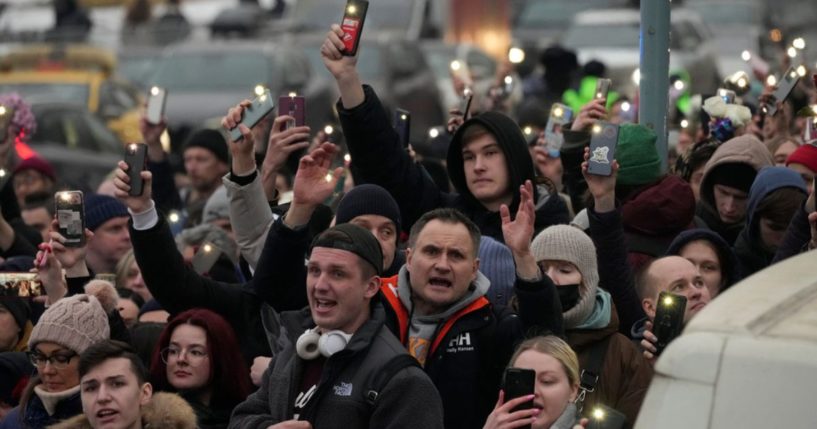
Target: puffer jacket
(165, 410)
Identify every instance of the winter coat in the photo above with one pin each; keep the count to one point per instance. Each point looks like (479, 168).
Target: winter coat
(379, 158)
(165, 410)
(654, 215)
(408, 400)
(739, 150)
(37, 417)
(730, 269)
(752, 254)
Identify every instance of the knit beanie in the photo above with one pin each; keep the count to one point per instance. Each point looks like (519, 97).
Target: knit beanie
(352, 238)
(368, 200)
(570, 244)
(496, 263)
(638, 160)
(733, 174)
(102, 208)
(18, 308)
(211, 140)
(37, 164)
(805, 155)
(75, 322)
(217, 206)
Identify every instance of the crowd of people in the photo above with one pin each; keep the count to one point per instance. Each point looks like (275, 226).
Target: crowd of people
(380, 291)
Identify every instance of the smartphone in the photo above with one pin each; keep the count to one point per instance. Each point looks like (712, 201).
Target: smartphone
(669, 319)
(70, 209)
(6, 115)
(727, 95)
(465, 103)
(784, 88)
(260, 107)
(603, 141)
(156, 105)
(136, 158)
(206, 257)
(24, 285)
(295, 106)
(604, 417)
(462, 72)
(402, 124)
(519, 382)
(352, 26)
(602, 88)
(559, 116)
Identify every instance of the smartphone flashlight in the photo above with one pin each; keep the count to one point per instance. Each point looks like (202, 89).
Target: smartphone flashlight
(65, 196)
(558, 112)
(173, 217)
(207, 248)
(328, 130)
(2, 172)
(668, 301)
(598, 414)
(596, 129)
(259, 90)
(351, 9)
(456, 65)
(2, 110)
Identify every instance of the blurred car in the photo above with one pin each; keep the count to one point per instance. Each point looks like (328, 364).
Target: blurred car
(399, 73)
(538, 24)
(205, 80)
(746, 360)
(79, 145)
(136, 64)
(74, 74)
(612, 36)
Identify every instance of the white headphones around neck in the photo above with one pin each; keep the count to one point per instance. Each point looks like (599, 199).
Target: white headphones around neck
(312, 343)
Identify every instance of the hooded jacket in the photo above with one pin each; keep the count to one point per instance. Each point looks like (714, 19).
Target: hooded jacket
(379, 158)
(730, 270)
(165, 410)
(746, 150)
(341, 397)
(752, 254)
(473, 340)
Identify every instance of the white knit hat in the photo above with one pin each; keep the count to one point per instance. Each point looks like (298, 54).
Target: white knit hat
(75, 322)
(571, 244)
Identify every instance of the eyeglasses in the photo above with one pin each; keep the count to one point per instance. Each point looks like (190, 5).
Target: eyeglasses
(195, 355)
(58, 360)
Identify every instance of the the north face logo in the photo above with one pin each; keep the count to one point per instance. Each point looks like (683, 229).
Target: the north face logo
(343, 389)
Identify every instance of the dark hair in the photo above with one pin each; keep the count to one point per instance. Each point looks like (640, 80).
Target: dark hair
(695, 157)
(473, 132)
(40, 199)
(99, 352)
(446, 215)
(131, 295)
(780, 205)
(229, 376)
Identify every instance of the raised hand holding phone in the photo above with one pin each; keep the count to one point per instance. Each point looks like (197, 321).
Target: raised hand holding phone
(354, 17)
(121, 181)
(70, 212)
(254, 113)
(603, 142)
(590, 113)
(136, 158)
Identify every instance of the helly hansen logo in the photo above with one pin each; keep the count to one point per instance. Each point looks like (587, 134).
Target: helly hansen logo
(461, 343)
(343, 389)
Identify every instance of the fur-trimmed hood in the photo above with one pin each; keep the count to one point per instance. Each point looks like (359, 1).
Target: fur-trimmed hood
(165, 410)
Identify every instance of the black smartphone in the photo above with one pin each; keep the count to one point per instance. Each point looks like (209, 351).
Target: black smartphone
(669, 319)
(603, 141)
(602, 88)
(604, 417)
(206, 257)
(155, 110)
(519, 382)
(727, 95)
(70, 209)
(24, 285)
(784, 88)
(402, 124)
(260, 107)
(6, 115)
(352, 25)
(295, 106)
(136, 158)
(465, 103)
(559, 116)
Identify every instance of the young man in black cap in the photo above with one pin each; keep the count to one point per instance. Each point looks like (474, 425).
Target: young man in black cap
(488, 158)
(337, 346)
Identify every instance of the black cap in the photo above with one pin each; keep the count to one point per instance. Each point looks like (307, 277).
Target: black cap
(352, 238)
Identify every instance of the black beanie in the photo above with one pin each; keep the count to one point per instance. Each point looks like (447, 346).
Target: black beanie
(735, 175)
(368, 199)
(352, 238)
(211, 140)
(18, 308)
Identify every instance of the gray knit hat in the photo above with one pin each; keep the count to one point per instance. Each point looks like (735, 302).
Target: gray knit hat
(569, 243)
(75, 322)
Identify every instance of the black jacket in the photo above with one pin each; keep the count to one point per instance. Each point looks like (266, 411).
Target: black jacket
(797, 237)
(408, 400)
(379, 158)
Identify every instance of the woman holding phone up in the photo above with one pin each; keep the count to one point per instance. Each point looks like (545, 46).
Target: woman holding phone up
(554, 393)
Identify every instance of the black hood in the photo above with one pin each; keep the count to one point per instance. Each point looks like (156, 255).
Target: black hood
(727, 257)
(513, 144)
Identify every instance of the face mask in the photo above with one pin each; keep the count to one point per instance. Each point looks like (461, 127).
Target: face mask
(568, 296)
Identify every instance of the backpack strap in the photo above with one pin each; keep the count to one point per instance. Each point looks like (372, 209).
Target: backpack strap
(386, 373)
(589, 377)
